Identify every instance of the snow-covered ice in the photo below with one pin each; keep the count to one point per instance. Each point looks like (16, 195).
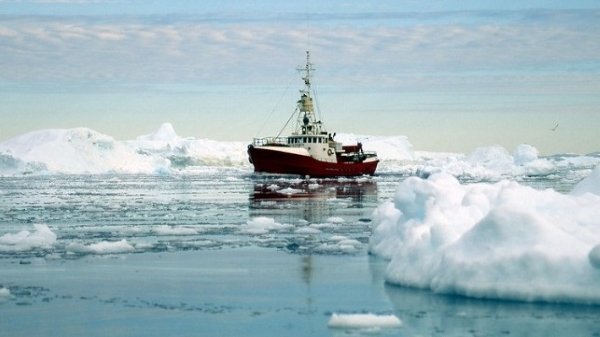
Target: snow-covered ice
(4, 293)
(42, 237)
(262, 225)
(103, 247)
(492, 240)
(474, 224)
(363, 321)
(189, 240)
(590, 184)
(594, 256)
(335, 220)
(85, 151)
(172, 230)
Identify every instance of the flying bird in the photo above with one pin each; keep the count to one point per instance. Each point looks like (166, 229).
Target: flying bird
(555, 127)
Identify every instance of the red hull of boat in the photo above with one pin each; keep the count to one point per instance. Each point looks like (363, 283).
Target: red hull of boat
(272, 161)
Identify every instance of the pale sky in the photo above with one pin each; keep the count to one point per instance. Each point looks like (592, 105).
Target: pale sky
(449, 75)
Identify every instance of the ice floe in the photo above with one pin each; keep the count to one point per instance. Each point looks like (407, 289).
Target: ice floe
(262, 225)
(4, 293)
(363, 321)
(173, 230)
(492, 240)
(85, 151)
(590, 184)
(42, 237)
(103, 247)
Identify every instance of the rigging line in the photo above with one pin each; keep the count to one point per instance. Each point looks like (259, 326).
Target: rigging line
(317, 104)
(286, 123)
(275, 107)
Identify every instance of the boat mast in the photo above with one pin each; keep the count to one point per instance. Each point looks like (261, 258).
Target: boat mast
(306, 117)
(307, 75)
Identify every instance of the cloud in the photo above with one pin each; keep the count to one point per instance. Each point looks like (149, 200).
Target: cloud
(192, 48)
(77, 2)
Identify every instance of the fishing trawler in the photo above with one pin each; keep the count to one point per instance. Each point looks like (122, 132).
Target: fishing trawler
(310, 150)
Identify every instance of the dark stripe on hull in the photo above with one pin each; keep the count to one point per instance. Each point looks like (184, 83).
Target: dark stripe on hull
(272, 161)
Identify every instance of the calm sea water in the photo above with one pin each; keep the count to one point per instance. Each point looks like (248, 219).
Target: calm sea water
(198, 268)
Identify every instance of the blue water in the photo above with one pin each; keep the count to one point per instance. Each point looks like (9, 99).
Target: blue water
(195, 272)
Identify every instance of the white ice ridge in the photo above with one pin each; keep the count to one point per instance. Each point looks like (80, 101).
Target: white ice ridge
(25, 240)
(85, 151)
(363, 321)
(500, 241)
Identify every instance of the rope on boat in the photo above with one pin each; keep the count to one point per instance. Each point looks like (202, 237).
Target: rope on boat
(275, 107)
(286, 123)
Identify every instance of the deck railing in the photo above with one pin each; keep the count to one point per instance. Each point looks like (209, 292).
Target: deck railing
(275, 141)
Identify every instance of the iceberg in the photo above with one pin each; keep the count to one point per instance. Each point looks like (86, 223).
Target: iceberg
(76, 151)
(497, 240)
(491, 163)
(188, 152)
(85, 151)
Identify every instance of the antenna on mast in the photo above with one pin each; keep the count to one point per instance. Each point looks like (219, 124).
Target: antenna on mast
(305, 104)
(308, 68)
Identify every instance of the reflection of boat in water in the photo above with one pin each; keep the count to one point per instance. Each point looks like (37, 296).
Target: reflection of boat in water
(310, 150)
(313, 189)
(313, 200)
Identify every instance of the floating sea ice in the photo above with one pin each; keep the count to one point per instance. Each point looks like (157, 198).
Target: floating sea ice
(502, 240)
(524, 154)
(349, 246)
(262, 225)
(594, 256)
(340, 244)
(307, 230)
(103, 247)
(335, 219)
(4, 293)
(326, 225)
(363, 321)
(42, 237)
(289, 191)
(171, 230)
(590, 184)
(313, 186)
(82, 150)
(303, 222)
